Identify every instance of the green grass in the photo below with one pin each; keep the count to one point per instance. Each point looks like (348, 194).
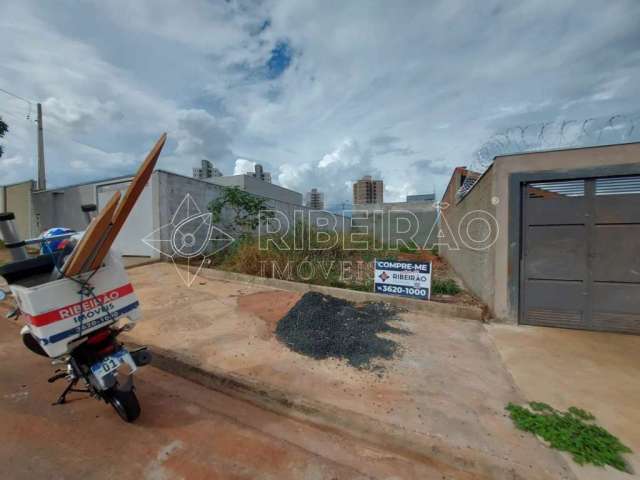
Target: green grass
(573, 431)
(446, 286)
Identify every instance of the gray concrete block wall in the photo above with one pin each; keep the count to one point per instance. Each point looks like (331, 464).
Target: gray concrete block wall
(173, 188)
(395, 225)
(474, 263)
(259, 187)
(61, 208)
(270, 190)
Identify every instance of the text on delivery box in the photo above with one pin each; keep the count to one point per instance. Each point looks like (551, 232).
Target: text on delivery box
(68, 311)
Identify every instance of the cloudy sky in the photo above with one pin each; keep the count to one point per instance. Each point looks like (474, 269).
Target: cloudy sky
(320, 93)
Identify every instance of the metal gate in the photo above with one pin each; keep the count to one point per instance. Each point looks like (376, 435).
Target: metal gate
(581, 254)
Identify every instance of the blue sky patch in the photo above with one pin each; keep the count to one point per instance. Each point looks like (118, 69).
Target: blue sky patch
(279, 61)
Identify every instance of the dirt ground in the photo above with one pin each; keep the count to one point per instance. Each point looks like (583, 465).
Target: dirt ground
(447, 387)
(269, 306)
(185, 432)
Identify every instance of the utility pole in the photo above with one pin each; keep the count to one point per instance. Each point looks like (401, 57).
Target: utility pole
(42, 177)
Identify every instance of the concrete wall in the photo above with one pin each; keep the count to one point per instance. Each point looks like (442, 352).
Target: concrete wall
(172, 190)
(472, 261)
(17, 199)
(488, 273)
(258, 187)
(269, 190)
(61, 207)
(396, 224)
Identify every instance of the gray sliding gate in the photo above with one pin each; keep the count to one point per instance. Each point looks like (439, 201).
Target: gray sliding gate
(581, 254)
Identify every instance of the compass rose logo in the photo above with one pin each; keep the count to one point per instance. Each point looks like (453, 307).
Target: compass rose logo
(190, 236)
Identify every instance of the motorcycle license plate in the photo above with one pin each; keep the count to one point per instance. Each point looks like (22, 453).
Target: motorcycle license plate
(111, 363)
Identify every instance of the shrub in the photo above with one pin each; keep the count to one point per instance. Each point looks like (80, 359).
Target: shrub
(447, 286)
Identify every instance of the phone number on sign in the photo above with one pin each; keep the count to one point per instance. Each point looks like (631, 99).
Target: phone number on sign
(398, 290)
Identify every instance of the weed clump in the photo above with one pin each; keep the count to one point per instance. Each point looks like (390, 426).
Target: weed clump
(447, 286)
(572, 431)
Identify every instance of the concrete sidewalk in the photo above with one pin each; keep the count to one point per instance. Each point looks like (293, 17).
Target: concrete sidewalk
(441, 400)
(185, 432)
(599, 372)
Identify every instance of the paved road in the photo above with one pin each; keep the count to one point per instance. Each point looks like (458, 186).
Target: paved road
(185, 432)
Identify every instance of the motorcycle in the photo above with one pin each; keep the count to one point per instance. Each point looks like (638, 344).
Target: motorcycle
(98, 363)
(76, 321)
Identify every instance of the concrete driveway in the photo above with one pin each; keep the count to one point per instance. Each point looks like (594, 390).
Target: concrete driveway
(599, 372)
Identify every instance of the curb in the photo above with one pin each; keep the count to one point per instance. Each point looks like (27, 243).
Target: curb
(143, 263)
(424, 448)
(468, 312)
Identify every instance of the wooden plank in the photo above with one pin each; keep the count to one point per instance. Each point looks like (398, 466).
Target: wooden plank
(95, 232)
(130, 197)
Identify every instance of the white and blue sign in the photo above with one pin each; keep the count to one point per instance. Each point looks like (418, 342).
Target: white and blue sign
(406, 279)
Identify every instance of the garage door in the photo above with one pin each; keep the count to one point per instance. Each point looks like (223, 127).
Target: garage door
(139, 223)
(581, 254)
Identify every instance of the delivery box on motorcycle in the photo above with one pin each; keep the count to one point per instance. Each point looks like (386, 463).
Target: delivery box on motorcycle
(61, 311)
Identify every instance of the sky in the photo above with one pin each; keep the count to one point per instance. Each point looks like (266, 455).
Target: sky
(319, 93)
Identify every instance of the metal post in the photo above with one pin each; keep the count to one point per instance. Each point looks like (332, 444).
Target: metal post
(42, 177)
(11, 238)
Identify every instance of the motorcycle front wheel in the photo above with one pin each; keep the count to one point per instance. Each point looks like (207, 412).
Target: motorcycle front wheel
(125, 403)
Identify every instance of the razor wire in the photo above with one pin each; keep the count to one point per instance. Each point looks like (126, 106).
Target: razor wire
(552, 135)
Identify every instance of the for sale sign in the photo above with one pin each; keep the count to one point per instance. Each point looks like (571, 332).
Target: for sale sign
(406, 279)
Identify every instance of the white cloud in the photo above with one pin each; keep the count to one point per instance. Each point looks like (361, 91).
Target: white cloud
(243, 166)
(333, 174)
(402, 91)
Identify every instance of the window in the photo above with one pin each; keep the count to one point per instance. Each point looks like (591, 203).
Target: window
(569, 188)
(618, 185)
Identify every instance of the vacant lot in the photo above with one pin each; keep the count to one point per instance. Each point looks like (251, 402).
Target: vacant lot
(443, 393)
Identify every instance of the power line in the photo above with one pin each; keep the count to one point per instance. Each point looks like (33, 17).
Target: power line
(17, 96)
(29, 102)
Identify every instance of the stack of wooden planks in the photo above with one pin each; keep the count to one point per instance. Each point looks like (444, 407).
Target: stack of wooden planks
(103, 230)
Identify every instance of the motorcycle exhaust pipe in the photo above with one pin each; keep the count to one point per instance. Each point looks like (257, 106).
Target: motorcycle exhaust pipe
(141, 356)
(11, 238)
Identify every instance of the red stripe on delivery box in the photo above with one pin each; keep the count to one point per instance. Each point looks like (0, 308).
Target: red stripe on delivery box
(75, 309)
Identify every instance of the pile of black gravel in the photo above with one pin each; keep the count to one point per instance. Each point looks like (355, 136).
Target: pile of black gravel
(321, 326)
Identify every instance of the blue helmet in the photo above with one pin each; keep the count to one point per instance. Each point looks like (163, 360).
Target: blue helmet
(50, 246)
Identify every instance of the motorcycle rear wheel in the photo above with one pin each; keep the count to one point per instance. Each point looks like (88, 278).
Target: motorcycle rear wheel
(125, 403)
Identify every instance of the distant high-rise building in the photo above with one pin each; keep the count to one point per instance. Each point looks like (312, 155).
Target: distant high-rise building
(260, 174)
(206, 170)
(366, 190)
(315, 199)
